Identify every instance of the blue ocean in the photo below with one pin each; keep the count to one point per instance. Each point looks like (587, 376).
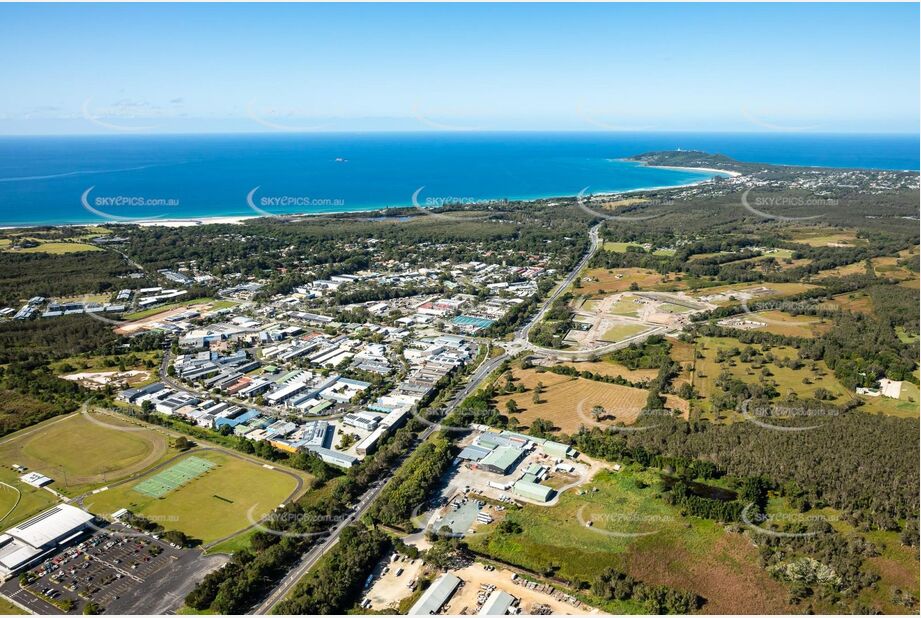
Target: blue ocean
(58, 180)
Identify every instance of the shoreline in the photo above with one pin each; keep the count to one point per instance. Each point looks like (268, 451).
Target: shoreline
(711, 170)
(240, 219)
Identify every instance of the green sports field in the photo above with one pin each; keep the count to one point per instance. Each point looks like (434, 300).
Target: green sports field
(173, 477)
(79, 453)
(209, 495)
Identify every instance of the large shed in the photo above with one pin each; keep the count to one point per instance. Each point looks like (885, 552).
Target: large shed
(435, 597)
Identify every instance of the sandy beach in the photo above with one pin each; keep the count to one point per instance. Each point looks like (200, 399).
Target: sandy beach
(712, 170)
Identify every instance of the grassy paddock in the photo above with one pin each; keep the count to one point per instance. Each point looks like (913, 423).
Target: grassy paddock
(646, 538)
(707, 371)
(559, 403)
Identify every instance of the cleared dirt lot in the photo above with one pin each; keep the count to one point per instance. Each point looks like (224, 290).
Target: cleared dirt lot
(389, 589)
(150, 321)
(600, 280)
(476, 575)
(560, 401)
(624, 316)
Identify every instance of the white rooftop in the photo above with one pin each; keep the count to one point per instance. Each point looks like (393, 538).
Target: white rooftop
(49, 526)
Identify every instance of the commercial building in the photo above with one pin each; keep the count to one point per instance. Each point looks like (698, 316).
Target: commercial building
(30, 541)
(473, 453)
(362, 420)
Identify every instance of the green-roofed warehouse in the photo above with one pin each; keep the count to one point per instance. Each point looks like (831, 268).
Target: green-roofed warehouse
(532, 491)
(557, 449)
(502, 460)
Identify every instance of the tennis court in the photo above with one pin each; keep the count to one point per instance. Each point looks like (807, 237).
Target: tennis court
(175, 476)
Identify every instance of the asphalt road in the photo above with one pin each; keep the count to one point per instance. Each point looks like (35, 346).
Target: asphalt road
(522, 333)
(318, 551)
(36, 605)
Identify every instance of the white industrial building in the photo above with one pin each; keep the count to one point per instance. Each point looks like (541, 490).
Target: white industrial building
(29, 542)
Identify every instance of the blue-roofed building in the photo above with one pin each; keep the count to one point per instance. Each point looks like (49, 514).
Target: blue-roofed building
(237, 418)
(473, 453)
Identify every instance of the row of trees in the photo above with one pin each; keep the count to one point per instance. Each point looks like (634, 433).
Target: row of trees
(332, 586)
(611, 584)
(408, 489)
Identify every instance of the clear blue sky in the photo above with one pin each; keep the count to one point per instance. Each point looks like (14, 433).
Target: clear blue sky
(191, 68)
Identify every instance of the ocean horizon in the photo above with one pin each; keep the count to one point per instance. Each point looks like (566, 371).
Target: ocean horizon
(48, 180)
